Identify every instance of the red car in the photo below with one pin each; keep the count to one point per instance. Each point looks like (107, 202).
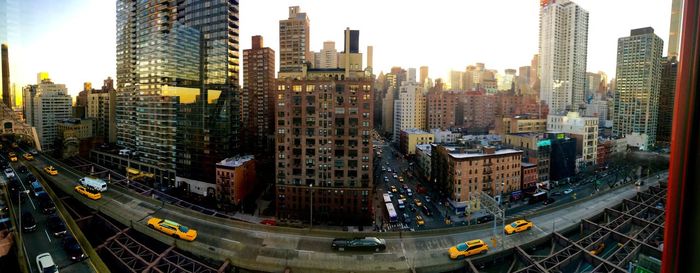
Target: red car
(269, 222)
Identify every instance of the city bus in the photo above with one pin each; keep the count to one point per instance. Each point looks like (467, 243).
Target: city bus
(538, 197)
(387, 199)
(393, 218)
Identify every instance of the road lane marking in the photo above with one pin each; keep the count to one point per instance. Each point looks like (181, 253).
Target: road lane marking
(233, 241)
(47, 235)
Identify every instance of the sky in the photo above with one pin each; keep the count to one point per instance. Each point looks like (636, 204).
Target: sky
(74, 40)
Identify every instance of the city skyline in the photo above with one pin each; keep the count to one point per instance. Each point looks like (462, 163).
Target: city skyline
(93, 60)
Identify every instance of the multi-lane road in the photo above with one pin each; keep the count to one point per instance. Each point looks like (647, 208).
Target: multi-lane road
(274, 248)
(40, 240)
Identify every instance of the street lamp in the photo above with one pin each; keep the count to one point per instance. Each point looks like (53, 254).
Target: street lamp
(311, 206)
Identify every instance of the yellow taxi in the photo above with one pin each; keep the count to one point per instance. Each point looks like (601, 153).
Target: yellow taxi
(172, 228)
(418, 202)
(50, 170)
(467, 249)
(517, 226)
(419, 220)
(12, 156)
(92, 194)
(28, 156)
(393, 189)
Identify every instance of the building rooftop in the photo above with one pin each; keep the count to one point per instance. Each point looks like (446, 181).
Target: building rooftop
(497, 152)
(427, 148)
(415, 131)
(528, 165)
(235, 161)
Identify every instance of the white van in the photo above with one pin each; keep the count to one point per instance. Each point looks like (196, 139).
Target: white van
(95, 183)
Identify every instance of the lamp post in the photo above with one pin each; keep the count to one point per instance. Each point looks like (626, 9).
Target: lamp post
(311, 206)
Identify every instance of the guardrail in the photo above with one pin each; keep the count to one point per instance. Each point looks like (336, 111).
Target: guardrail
(22, 258)
(95, 261)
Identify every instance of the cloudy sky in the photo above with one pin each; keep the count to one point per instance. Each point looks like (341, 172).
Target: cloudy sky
(74, 40)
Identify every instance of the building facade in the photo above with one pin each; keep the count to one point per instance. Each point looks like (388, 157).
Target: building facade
(536, 149)
(327, 57)
(460, 173)
(409, 108)
(440, 109)
(529, 176)
(294, 37)
(519, 125)
(667, 94)
(563, 49)
(258, 102)
(638, 77)
(409, 138)
(584, 129)
(235, 179)
(50, 104)
(101, 107)
(563, 156)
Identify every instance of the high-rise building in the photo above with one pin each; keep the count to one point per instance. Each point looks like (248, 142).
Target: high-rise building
(674, 33)
(50, 104)
(591, 86)
(423, 74)
(583, 129)
(440, 109)
(101, 106)
(456, 80)
(667, 93)
(563, 50)
(535, 75)
(4, 55)
(183, 114)
(294, 42)
(476, 112)
(327, 57)
(638, 77)
(409, 108)
(324, 146)
(505, 81)
(350, 59)
(259, 99)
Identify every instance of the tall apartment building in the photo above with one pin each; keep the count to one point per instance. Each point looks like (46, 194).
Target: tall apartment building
(638, 77)
(563, 50)
(460, 173)
(50, 104)
(476, 111)
(258, 102)
(327, 57)
(583, 129)
(440, 109)
(323, 143)
(101, 106)
(409, 108)
(423, 75)
(183, 114)
(5, 72)
(294, 38)
(667, 94)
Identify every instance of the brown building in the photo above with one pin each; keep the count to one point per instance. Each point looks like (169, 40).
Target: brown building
(478, 111)
(460, 173)
(517, 125)
(258, 102)
(536, 150)
(440, 109)
(294, 42)
(323, 147)
(605, 148)
(235, 179)
(667, 92)
(529, 179)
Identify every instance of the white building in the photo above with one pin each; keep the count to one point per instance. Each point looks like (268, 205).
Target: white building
(409, 109)
(563, 50)
(638, 140)
(50, 104)
(584, 129)
(598, 108)
(445, 136)
(327, 57)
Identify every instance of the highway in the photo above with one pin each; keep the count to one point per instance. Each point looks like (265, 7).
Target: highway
(268, 248)
(41, 240)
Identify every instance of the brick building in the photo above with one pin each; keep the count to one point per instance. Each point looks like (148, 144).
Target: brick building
(235, 179)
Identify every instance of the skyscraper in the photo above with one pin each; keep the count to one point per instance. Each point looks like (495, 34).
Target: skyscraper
(6, 98)
(327, 57)
(50, 105)
(667, 94)
(563, 50)
(675, 28)
(259, 97)
(186, 104)
(294, 42)
(638, 76)
(409, 108)
(423, 74)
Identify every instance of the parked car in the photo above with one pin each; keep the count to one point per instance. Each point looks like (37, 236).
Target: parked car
(72, 249)
(366, 243)
(567, 191)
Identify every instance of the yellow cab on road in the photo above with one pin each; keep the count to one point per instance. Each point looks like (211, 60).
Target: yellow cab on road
(92, 194)
(50, 170)
(172, 228)
(467, 249)
(517, 226)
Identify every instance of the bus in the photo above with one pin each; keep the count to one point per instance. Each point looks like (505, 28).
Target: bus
(538, 197)
(393, 218)
(387, 199)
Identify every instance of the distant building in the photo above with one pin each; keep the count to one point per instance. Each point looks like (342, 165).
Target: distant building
(258, 102)
(584, 129)
(637, 140)
(563, 48)
(638, 83)
(460, 173)
(327, 57)
(294, 38)
(520, 124)
(423, 157)
(445, 136)
(409, 138)
(101, 107)
(476, 112)
(74, 137)
(667, 93)
(529, 176)
(235, 179)
(409, 108)
(423, 74)
(50, 103)
(440, 109)
(605, 148)
(536, 149)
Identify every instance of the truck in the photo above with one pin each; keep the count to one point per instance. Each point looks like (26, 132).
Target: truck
(94, 183)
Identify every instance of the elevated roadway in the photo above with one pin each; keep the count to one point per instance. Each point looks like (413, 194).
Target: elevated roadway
(267, 248)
